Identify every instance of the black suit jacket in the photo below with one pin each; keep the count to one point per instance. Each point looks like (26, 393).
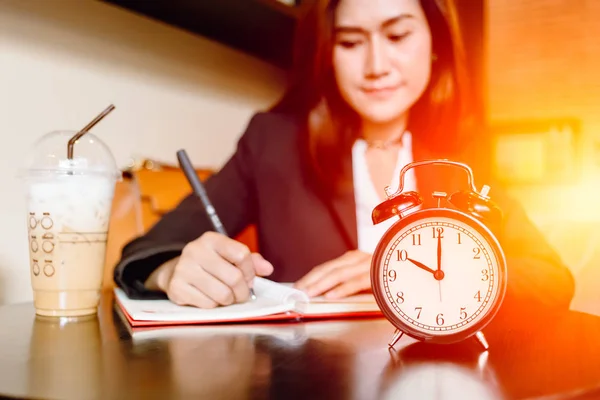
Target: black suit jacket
(264, 183)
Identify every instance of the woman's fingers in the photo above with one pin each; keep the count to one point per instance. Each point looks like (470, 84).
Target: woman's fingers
(215, 270)
(317, 273)
(335, 272)
(182, 293)
(336, 277)
(357, 284)
(262, 267)
(232, 251)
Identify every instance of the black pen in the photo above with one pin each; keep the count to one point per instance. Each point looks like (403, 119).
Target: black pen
(198, 187)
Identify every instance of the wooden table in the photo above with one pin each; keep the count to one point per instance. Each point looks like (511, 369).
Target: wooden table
(99, 358)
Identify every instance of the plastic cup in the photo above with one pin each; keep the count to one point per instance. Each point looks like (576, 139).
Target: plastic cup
(69, 202)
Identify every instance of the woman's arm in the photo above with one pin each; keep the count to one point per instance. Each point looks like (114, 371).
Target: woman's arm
(232, 193)
(538, 280)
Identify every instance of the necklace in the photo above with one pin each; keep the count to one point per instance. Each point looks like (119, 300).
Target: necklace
(384, 144)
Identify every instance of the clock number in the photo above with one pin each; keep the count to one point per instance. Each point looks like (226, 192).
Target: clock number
(400, 297)
(438, 232)
(402, 255)
(486, 275)
(459, 238)
(416, 239)
(476, 251)
(391, 275)
(478, 296)
(463, 312)
(419, 309)
(440, 319)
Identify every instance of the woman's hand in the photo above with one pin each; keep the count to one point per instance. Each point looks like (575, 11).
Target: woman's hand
(213, 270)
(340, 277)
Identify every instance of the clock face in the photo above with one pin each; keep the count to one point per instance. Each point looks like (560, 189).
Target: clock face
(439, 273)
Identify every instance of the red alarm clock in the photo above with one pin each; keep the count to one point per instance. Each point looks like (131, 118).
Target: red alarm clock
(439, 274)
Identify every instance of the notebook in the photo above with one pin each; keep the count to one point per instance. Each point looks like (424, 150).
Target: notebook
(274, 301)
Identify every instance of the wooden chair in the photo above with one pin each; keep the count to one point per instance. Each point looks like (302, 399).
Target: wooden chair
(143, 196)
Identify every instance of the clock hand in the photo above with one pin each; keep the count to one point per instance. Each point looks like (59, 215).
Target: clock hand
(421, 265)
(439, 274)
(439, 253)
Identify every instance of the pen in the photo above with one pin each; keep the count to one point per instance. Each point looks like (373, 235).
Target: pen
(198, 187)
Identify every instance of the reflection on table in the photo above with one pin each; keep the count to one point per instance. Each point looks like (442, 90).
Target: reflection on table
(345, 359)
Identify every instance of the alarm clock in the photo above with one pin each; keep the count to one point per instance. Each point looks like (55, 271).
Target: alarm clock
(439, 274)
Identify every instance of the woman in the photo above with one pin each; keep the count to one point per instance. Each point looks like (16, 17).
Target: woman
(377, 84)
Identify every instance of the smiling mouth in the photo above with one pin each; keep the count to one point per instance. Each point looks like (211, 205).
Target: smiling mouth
(380, 90)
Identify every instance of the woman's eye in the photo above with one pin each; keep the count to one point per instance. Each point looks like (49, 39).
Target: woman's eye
(349, 44)
(400, 37)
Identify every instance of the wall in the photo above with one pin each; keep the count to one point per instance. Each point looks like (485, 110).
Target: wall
(543, 62)
(543, 58)
(63, 61)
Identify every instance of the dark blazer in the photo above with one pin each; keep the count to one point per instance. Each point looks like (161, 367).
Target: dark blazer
(264, 183)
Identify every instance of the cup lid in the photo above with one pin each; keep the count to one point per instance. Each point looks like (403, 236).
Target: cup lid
(90, 156)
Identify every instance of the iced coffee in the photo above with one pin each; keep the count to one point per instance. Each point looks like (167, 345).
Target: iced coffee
(68, 210)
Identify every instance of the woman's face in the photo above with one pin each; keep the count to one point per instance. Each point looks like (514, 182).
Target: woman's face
(381, 56)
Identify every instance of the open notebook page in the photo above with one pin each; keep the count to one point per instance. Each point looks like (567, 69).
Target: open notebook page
(364, 302)
(352, 304)
(271, 298)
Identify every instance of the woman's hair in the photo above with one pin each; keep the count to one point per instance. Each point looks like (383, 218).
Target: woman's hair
(436, 120)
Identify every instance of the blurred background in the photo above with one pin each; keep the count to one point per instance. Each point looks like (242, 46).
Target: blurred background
(190, 74)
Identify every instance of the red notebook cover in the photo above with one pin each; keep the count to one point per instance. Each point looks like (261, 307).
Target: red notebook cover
(275, 302)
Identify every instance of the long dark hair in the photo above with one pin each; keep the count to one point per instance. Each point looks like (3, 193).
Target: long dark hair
(437, 120)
